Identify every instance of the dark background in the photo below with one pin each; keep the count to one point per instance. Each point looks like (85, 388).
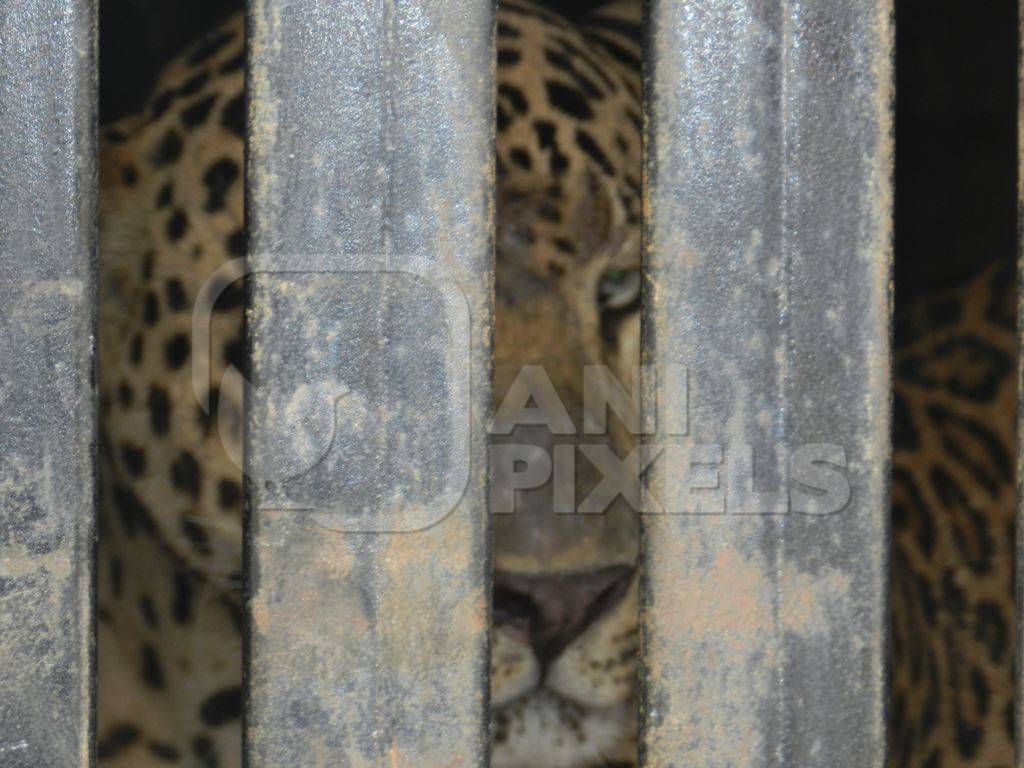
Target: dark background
(956, 102)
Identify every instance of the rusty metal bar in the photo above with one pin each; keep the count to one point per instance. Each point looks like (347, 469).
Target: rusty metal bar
(769, 161)
(47, 413)
(370, 127)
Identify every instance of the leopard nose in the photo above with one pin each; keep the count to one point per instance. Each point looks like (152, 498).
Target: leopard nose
(553, 610)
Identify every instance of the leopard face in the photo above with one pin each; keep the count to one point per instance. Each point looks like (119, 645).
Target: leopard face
(566, 295)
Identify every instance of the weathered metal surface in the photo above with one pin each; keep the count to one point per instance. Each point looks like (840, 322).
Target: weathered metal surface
(370, 209)
(769, 158)
(47, 414)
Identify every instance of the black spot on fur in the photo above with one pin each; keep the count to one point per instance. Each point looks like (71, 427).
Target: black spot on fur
(218, 180)
(979, 687)
(148, 612)
(165, 195)
(166, 752)
(236, 243)
(968, 738)
(566, 65)
(196, 536)
(161, 103)
(133, 514)
(177, 225)
(181, 602)
(520, 157)
(990, 628)
(185, 474)
(197, 112)
(504, 30)
(205, 752)
(502, 120)
(587, 143)
(119, 738)
(134, 459)
(159, 405)
(125, 395)
(150, 309)
(634, 118)
(234, 353)
(565, 246)
(169, 149)
(176, 351)
(546, 138)
(231, 608)
(222, 707)
(152, 669)
(147, 265)
(230, 296)
(549, 213)
(135, 349)
(193, 85)
(513, 97)
(905, 435)
(229, 494)
(569, 100)
(508, 57)
(233, 64)
(233, 116)
(175, 293)
(910, 510)
(129, 176)
(580, 55)
(208, 420)
(209, 48)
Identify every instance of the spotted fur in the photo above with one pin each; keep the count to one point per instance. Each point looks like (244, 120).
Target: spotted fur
(954, 503)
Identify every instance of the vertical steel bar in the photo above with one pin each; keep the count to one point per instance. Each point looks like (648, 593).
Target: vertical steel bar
(370, 213)
(769, 160)
(47, 414)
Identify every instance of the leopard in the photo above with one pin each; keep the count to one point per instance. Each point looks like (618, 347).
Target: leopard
(567, 163)
(567, 295)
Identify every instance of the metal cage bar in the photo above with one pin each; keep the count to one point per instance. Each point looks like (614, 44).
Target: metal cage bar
(47, 413)
(769, 157)
(370, 217)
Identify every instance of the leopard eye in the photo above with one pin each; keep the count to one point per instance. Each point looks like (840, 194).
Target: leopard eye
(619, 290)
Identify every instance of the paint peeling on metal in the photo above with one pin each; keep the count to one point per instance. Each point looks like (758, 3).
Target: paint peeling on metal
(47, 408)
(768, 198)
(370, 218)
